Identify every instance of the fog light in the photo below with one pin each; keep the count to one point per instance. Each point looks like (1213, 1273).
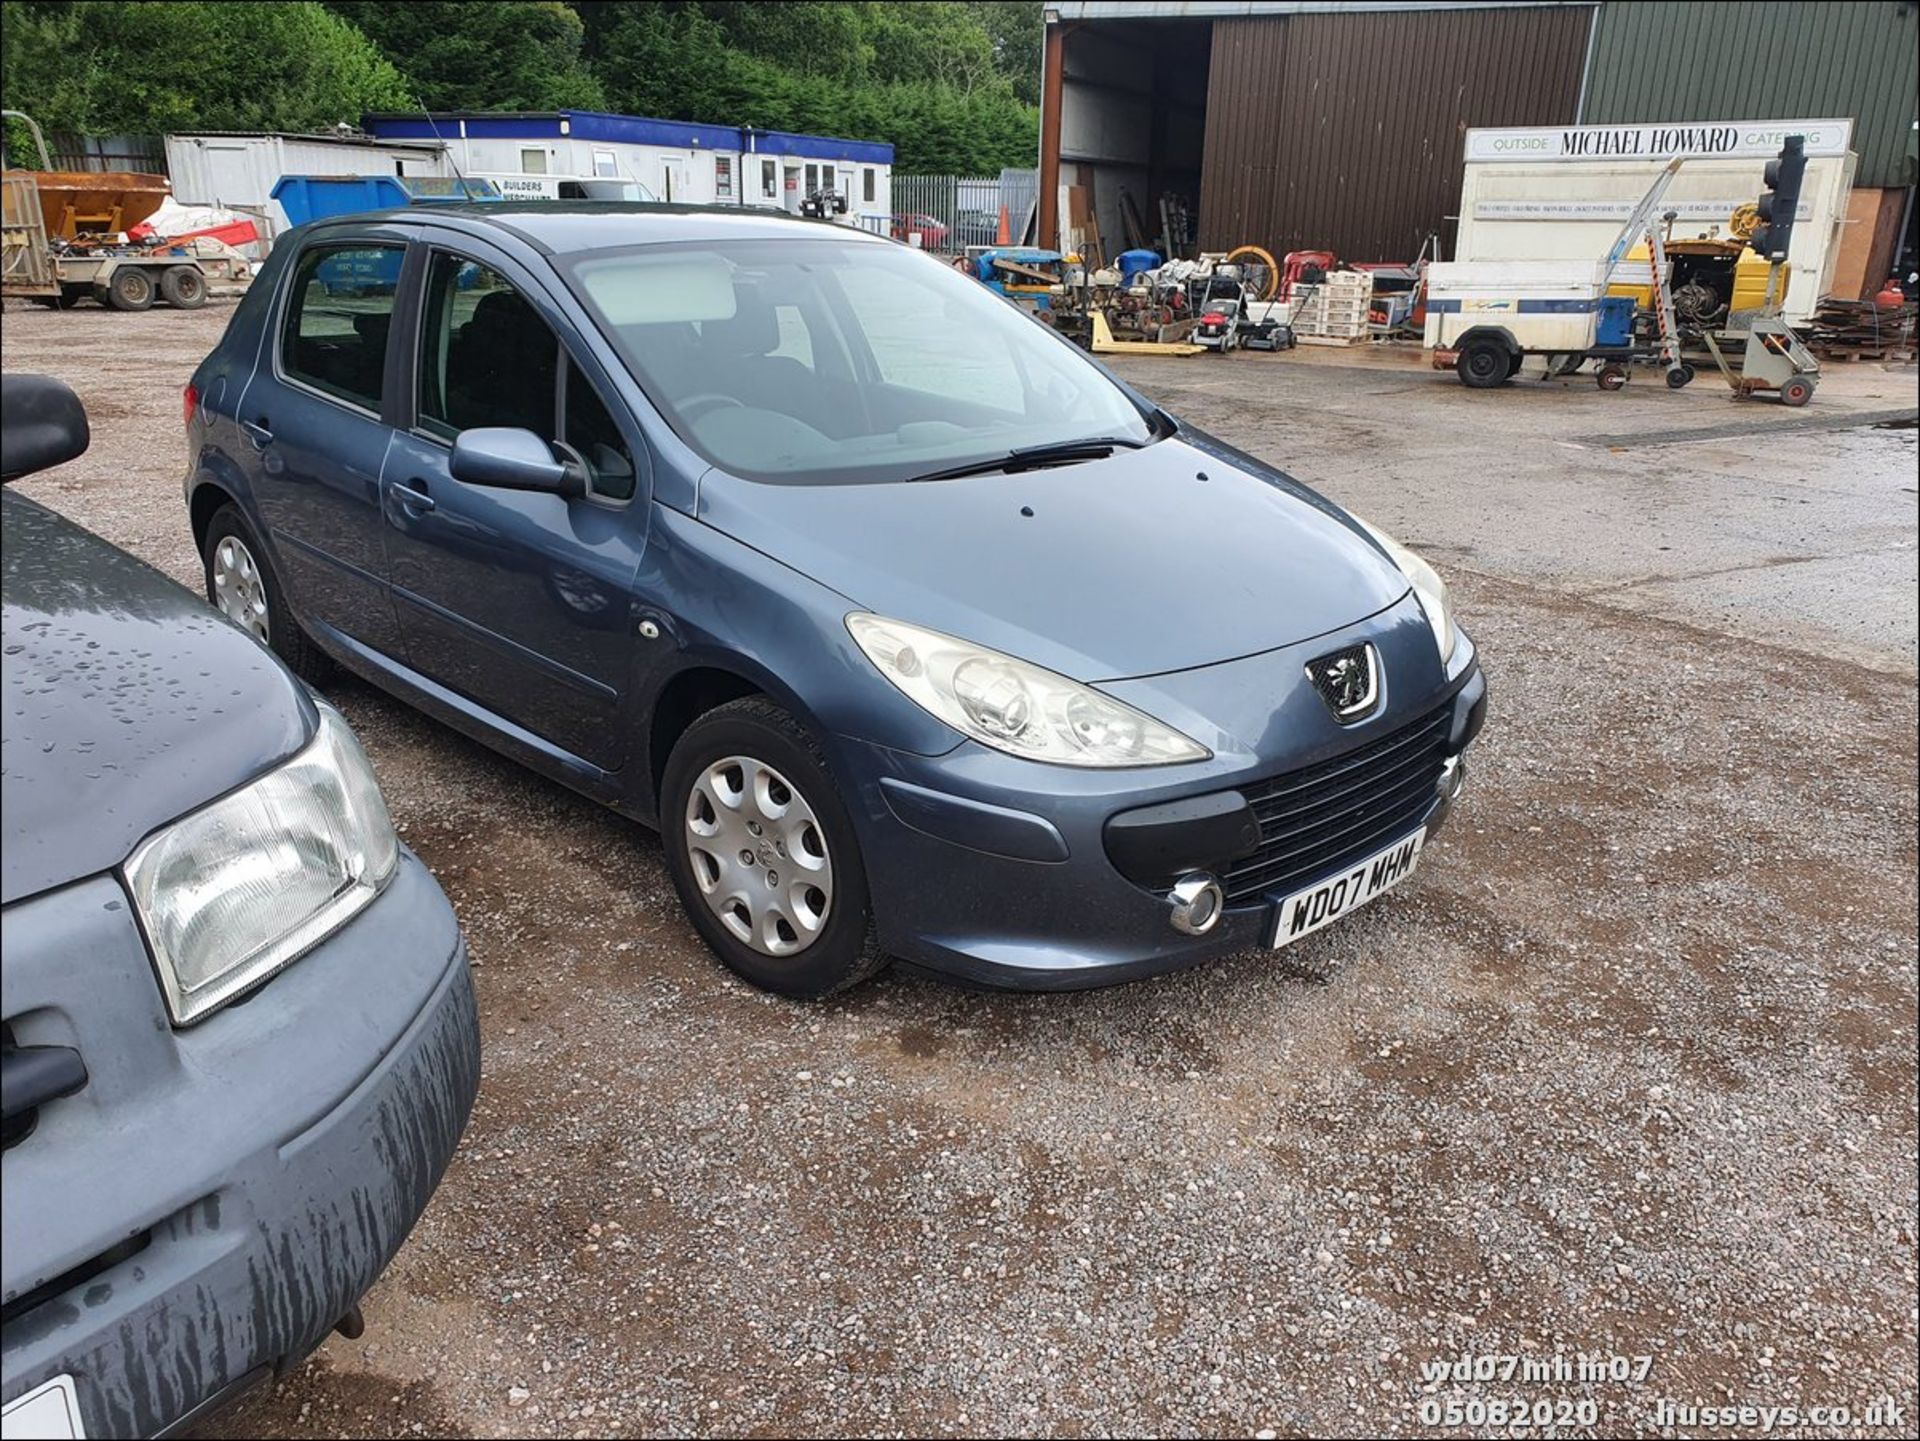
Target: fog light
(1197, 902)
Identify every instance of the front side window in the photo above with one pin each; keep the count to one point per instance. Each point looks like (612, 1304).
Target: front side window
(823, 361)
(339, 314)
(487, 358)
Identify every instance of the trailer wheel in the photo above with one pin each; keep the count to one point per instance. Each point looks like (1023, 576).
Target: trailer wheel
(1796, 391)
(1485, 364)
(1680, 377)
(183, 287)
(131, 288)
(1611, 377)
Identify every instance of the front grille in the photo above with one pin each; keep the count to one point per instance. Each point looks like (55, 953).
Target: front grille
(1316, 820)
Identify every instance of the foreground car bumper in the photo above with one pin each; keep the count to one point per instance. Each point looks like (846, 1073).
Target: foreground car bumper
(247, 1191)
(978, 875)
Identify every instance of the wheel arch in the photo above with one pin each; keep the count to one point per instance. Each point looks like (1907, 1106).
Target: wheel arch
(1497, 333)
(702, 685)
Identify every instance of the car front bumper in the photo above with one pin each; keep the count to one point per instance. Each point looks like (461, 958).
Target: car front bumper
(244, 1180)
(1002, 872)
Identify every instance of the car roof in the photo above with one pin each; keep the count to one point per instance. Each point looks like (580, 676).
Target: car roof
(560, 226)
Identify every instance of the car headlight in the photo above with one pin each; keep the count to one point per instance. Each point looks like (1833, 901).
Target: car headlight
(1013, 706)
(1427, 585)
(245, 886)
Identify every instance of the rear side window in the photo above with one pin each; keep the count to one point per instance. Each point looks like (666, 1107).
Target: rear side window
(339, 314)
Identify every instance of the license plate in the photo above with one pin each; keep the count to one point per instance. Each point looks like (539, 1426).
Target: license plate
(1304, 912)
(49, 1409)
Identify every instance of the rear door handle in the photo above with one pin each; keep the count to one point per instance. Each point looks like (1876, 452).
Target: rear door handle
(257, 432)
(415, 502)
(31, 1076)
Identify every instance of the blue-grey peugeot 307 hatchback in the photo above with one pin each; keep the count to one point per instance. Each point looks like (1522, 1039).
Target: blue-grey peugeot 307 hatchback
(915, 632)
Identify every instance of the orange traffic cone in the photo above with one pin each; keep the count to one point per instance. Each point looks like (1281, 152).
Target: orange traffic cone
(1005, 237)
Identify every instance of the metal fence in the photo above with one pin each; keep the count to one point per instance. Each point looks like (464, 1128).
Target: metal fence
(146, 154)
(951, 212)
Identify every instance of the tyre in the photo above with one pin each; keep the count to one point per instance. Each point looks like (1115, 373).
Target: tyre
(1485, 364)
(763, 852)
(1680, 377)
(183, 287)
(1513, 364)
(1796, 392)
(131, 288)
(243, 586)
(1611, 377)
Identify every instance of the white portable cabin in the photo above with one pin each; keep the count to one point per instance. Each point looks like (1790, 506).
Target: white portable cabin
(237, 170)
(678, 162)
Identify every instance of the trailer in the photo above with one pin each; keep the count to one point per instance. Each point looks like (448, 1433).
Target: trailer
(1485, 317)
(63, 238)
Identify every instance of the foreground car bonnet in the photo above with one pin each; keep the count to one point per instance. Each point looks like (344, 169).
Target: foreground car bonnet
(129, 702)
(1127, 566)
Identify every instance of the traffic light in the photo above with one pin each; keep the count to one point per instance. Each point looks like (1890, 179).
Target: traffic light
(1781, 201)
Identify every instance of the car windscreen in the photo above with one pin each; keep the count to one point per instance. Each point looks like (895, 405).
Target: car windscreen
(811, 360)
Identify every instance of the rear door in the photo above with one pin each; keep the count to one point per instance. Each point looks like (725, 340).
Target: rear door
(316, 417)
(520, 601)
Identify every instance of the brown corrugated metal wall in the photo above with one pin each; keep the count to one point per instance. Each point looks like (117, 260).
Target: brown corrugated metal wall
(1343, 131)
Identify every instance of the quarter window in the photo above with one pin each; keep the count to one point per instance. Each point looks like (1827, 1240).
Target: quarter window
(339, 314)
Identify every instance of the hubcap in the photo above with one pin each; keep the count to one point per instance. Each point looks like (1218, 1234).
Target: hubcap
(759, 856)
(238, 588)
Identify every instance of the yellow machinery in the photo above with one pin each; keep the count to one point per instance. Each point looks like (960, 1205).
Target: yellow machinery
(1714, 278)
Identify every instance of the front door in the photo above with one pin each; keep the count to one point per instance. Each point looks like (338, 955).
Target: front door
(520, 601)
(673, 180)
(317, 417)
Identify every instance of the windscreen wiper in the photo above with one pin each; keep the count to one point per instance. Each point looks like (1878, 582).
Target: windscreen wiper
(1032, 457)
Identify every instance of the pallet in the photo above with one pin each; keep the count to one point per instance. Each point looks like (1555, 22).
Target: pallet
(1852, 353)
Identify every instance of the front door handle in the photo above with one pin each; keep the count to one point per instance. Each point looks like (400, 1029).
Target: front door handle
(413, 501)
(258, 433)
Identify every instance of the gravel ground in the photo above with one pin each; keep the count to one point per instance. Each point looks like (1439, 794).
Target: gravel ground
(1628, 1070)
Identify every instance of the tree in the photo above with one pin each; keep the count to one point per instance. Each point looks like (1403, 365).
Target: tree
(923, 77)
(500, 55)
(144, 67)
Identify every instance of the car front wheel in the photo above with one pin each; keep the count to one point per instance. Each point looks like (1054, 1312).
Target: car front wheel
(763, 852)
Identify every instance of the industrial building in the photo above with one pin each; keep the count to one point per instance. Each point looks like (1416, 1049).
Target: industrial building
(1301, 124)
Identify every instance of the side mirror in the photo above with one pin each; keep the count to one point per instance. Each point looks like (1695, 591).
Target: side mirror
(513, 459)
(42, 424)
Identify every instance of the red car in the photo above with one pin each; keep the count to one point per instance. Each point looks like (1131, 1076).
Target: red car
(931, 232)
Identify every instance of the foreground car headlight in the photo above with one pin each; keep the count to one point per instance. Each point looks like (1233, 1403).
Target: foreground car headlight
(233, 892)
(1426, 584)
(1013, 706)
